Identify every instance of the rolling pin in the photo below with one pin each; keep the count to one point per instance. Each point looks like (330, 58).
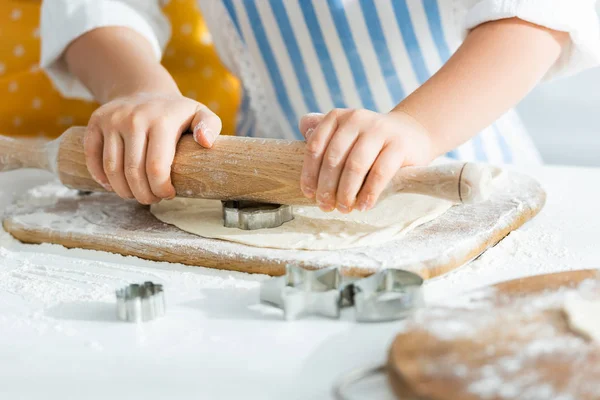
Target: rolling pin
(237, 168)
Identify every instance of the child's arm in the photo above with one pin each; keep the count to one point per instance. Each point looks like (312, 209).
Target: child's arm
(131, 139)
(495, 67)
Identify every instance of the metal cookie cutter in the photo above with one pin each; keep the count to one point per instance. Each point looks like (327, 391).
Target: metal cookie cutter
(140, 303)
(386, 295)
(304, 292)
(251, 215)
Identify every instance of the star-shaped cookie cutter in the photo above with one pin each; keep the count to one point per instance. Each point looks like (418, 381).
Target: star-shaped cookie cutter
(300, 292)
(386, 295)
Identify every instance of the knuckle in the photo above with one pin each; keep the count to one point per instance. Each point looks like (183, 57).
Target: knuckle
(332, 160)
(308, 178)
(93, 122)
(326, 194)
(376, 126)
(110, 166)
(336, 112)
(89, 149)
(154, 168)
(91, 134)
(368, 195)
(98, 115)
(134, 123)
(115, 119)
(132, 170)
(354, 117)
(161, 123)
(354, 166)
(377, 175)
(345, 196)
(313, 149)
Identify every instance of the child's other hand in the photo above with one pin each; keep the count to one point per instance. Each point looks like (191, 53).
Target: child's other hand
(130, 142)
(351, 155)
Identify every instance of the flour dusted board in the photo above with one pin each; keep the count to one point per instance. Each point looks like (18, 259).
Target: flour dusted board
(105, 222)
(510, 341)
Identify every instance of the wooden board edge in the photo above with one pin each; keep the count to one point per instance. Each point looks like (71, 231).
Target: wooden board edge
(398, 384)
(491, 241)
(271, 267)
(26, 236)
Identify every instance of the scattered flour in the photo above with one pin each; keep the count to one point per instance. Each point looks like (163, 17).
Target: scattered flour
(41, 285)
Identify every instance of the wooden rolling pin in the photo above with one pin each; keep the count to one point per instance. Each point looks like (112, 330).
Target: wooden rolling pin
(265, 170)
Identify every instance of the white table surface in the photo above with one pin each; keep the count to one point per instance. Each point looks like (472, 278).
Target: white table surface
(59, 338)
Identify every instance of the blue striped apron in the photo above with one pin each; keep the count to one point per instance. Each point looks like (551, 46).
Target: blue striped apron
(299, 56)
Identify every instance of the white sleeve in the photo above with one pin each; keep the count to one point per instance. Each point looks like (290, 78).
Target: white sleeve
(63, 21)
(577, 17)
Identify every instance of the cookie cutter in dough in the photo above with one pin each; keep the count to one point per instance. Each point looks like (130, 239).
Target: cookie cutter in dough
(251, 215)
(140, 303)
(389, 294)
(303, 292)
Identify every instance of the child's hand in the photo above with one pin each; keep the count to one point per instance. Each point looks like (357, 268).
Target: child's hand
(130, 142)
(351, 155)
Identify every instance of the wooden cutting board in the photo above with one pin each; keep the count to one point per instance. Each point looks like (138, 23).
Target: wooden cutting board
(105, 222)
(509, 341)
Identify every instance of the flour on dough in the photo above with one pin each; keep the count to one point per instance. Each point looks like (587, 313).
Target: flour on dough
(583, 315)
(311, 229)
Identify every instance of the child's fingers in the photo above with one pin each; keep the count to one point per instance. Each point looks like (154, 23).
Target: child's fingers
(93, 146)
(313, 156)
(135, 167)
(383, 170)
(333, 162)
(159, 158)
(309, 121)
(206, 126)
(113, 164)
(359, 161)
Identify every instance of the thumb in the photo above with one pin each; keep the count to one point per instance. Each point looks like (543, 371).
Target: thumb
(309, 122)
(206, 126)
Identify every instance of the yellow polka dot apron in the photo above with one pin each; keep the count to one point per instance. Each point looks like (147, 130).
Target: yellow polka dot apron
(31, 107)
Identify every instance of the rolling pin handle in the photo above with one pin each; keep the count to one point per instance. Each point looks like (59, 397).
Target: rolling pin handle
(26, 153)
(457, 182)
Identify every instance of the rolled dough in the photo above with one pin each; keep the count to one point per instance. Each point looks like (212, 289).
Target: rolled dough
(311, 228)
(583, 315)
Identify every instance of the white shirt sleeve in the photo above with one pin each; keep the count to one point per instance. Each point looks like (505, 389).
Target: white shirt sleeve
(578, 17)
(63, 21)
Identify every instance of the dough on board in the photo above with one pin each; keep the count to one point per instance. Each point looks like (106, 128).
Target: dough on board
(311, 228)
(583, 315)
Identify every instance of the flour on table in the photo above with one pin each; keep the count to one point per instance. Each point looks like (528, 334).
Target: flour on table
(311, 228)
